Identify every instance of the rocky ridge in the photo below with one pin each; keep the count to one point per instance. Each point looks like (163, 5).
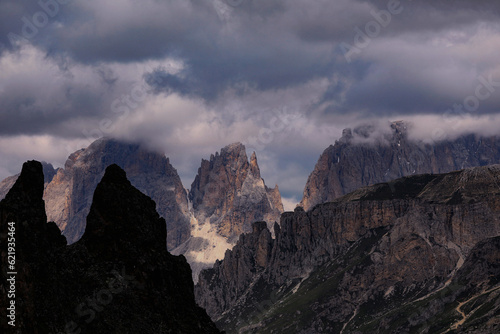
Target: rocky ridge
(118, 278)
(48, 171)
(364, 156)
(390, 258)
(227, 196)
(68, 194)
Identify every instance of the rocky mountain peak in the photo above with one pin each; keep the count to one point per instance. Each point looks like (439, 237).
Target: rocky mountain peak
(233, 149)
(228, 189)
(28, 189)
(346, 136)
(358, 263)
(23, 209)
(48, 172)
(68, 196)
(372, 154)
(116, 227)
(24, 205)
(227, 195)
(254, 167)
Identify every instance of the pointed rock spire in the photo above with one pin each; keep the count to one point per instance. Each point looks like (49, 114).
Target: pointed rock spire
(254, 167)
(121, 216)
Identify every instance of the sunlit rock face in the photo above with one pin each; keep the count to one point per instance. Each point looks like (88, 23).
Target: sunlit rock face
(69, 194)
(227, 196)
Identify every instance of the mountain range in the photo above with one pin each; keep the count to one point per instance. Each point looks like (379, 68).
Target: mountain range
(365, 155)
(419, 254)
(392, 235)
(227, 195)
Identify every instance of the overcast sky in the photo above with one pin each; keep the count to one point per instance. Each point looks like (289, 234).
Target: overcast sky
(284, 77)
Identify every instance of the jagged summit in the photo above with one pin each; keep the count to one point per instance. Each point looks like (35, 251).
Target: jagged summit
(48, 171)
(228, 184)
(69, 195)
(227, 196)
(28, 188)
(233, 148)
(117, 225)
(254, 166)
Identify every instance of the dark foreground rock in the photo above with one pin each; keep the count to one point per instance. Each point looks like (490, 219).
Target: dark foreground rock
(119, 278)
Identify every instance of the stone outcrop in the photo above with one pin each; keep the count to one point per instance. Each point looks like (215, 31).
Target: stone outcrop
(69, 195)
(227, 196)
(229, 189)
(22, 214)
(118, 278)
(365, 262)
(48, 171)
(364, 157)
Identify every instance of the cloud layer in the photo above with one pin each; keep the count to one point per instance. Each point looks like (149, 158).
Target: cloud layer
(283, 77)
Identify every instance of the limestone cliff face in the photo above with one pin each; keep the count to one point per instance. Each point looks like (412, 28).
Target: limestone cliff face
(69, 195)
(360, 158)
(227, 196)
(349, 265)
(229, 189)
(118, 278)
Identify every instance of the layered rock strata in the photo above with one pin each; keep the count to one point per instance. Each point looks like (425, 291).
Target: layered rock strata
(349, 266)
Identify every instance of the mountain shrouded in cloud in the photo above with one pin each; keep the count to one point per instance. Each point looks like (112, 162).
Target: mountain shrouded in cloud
(188, 77)
(364, 156)
(225, 198)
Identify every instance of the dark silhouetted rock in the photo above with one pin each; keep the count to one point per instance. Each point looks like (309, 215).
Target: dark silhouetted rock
(69, 195)
(119, 278)
(48, 171)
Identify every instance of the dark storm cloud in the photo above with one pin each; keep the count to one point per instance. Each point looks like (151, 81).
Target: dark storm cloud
(257, 45)
(222, 68)
(31, 21)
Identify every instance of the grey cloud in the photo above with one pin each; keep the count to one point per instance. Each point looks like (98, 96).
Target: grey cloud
(272, 44)
(238, 62)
